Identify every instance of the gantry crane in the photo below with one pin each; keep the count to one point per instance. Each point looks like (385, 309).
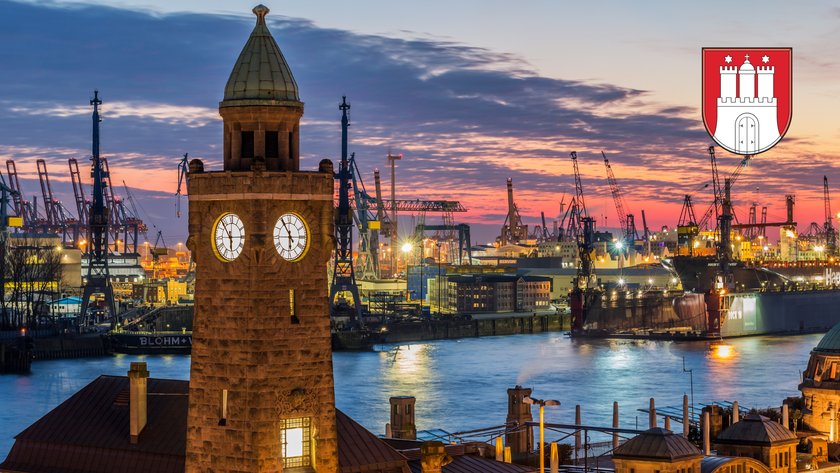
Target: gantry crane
(82, 204)
(22, 207)
(57, 218)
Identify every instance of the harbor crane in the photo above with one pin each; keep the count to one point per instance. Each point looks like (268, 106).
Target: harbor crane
(22, 207)
(82, 203)
(183, 168)
(828, 225)
(98, 279)
(344, 275)
(627, 220)
(513, 230)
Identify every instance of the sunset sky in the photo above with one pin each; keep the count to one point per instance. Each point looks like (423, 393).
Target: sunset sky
(470, 92)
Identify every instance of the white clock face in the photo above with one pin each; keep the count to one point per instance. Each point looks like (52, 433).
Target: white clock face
(228, 237)
(291, 237)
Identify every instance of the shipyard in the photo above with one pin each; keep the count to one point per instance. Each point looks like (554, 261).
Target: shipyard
(290, 238)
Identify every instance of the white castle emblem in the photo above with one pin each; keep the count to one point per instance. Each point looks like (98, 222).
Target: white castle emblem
(746, 117)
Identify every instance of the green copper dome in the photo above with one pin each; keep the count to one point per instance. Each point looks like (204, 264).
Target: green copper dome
(830, 342)
(261, 72)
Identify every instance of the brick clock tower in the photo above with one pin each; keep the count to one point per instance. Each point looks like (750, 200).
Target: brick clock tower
(261, 382)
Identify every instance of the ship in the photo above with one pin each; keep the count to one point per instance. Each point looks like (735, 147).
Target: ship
(737, 300)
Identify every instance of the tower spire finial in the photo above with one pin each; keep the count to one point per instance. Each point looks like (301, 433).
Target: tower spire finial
(261, 11)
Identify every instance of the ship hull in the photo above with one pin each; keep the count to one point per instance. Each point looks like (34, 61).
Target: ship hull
(688, 316)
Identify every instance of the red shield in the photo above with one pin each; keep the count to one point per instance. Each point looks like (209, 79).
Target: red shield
(747, 97)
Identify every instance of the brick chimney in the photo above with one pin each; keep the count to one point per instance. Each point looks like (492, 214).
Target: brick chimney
(433, 457)
(519, 438)
(138, 394)
(402, 417)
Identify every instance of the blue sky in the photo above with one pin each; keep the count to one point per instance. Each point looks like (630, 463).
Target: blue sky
(471, 92)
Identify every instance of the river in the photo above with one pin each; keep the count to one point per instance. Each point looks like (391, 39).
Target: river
(461, 384)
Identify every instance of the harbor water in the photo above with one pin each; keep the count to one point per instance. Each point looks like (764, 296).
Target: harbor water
(461, 384)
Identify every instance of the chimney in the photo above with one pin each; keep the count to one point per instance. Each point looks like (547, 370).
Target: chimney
(433, 457)
(137, 378)
(402, 418)
(520, 439)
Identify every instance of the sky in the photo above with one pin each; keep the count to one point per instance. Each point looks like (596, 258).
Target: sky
(469, 92)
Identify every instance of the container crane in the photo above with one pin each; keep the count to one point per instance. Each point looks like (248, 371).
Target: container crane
(22, 207)
(82, 204)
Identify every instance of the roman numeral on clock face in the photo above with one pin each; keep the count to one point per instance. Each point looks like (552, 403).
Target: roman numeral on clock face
(291, 237)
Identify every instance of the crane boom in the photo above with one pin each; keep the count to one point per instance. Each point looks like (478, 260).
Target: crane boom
(51, 206)
(616, 193)
(78, 190)
(578, 186)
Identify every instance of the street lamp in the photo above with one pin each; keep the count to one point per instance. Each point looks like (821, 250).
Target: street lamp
(542, 403)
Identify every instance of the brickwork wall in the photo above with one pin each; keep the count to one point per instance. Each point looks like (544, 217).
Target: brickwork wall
(244, 339)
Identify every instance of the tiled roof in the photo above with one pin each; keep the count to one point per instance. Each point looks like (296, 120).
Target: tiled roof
(754, 429)
(657, 444)
(261, 72)
(361, 451)
(89, 432)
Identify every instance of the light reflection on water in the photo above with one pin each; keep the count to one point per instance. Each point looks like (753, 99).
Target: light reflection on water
(461, 384)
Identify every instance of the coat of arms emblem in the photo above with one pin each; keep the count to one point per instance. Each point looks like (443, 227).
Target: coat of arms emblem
(747, 97)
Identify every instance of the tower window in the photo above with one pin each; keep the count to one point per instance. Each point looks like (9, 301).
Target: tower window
(291, 145)
(296, 442)
(247, 144)
(292, 308)
(272, 147)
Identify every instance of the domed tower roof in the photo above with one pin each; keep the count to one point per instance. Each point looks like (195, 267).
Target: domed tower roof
(755, 429)
(261, 72)
(830, 343)
(747, 66)
(657, 444)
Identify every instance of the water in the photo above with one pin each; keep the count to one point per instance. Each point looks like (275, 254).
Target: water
(461, 384)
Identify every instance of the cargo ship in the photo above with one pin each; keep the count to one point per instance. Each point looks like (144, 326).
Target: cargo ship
(759, 302)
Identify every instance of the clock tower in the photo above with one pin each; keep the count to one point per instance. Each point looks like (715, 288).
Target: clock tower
(261, 395)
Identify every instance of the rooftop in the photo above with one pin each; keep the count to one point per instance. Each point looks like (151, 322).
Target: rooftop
(657, 444)
(261, 73)
(755, 429)
(830, 343)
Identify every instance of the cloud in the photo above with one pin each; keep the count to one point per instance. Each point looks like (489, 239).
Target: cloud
(465, 118)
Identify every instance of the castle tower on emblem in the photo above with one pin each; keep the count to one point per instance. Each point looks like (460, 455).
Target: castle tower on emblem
(747, 117)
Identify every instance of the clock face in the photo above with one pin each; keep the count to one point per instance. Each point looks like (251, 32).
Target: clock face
(291, 237)
(228, 237)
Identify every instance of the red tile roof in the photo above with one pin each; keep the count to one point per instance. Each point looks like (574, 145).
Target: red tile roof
(361, 451)
(89, 432)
